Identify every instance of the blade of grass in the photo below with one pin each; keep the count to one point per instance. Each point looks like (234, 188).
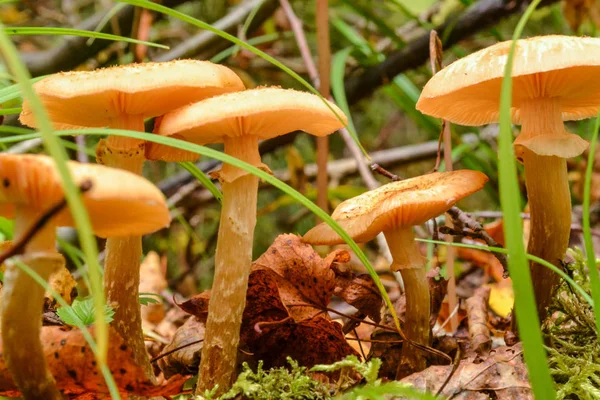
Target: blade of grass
(105, 20)
(203, 179)
(13, 91)
(76, 32)
(10, 111)
(217, 58)
(587, 230)
(211, 153)
(525, 308)
(72, 195)
(338, 70)
(110, 382)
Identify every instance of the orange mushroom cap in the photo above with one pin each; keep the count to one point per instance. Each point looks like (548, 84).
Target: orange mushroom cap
(264, 112)
(119, 203)
(566, 68)
(95, 98)
(397, 204)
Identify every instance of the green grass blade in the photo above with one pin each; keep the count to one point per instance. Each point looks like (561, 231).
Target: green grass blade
(587, 231)
(203, 25)
(13, 91)
(203, 179)
(105, 19)
(76, 32)
(338, 70)
(72, 195)
(525, 307)
(211, 153)
(380, 23)
(222, 55)
(10, 111)
(110, 382)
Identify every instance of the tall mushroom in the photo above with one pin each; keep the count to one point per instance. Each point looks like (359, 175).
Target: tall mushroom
(394, 209)
(555, 79)
(122, 97)
(30, 186)
(238, 120)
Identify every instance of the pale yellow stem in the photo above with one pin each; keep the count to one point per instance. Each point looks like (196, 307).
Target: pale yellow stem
(408, 260)
(233, 260)
(123, 254)
(22, 303)
(543, 146)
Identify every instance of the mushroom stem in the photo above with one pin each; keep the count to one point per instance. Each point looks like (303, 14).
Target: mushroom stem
(408, 260)
(233, 260)
(22, 303)
(543, 146)
(550, 209)
(123, 254)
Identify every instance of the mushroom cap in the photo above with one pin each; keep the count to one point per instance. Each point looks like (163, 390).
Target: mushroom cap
(264, 112)
(119, 203)
(467, 92)
(397, 205)
(95, 98)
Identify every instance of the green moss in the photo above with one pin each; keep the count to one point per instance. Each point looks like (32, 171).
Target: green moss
(574, 350)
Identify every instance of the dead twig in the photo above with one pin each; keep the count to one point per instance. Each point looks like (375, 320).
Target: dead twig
(477, 314)
(476, 231)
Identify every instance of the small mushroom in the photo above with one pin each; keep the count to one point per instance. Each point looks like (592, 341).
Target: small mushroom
(122, 97)
(555, 79)
(238, 120)
(31, 186)
(394, 209)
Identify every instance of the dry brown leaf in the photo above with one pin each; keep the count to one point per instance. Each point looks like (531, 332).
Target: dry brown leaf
(288, 291)
(73, 365)
(502, 373)
(63, 283)
(361, 293)
(185, 356)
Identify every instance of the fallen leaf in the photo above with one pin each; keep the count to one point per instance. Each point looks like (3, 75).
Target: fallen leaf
(502, 375)
(361, 293)
(502, 297)
(63, 283)
(289, 289)
(73, 365)
(183, 353)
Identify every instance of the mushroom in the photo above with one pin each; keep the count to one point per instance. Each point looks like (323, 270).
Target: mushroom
(30, 186)
(555, 79)
(238, 120)
(394, 209)
(122, 97)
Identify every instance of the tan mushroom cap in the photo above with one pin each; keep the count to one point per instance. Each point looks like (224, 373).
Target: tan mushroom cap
(264, 112)
(567, 68)
(119, 203)
(95, 98)
(398, 204)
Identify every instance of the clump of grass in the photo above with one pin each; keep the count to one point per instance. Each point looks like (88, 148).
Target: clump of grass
(574, 352)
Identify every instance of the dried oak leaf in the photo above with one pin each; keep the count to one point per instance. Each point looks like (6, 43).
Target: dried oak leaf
(503, 373)
(361, 293)
(288, 291)
(306, 282)
(73, 365)
(183, 353)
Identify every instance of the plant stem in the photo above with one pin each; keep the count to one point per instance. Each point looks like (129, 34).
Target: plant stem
(22, 300)
(411, 264)
(550, 208)
(233, 260)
